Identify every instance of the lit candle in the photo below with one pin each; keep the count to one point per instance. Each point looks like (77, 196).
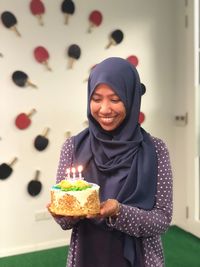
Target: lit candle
(80, 168)
(68, 173)
(74, 172)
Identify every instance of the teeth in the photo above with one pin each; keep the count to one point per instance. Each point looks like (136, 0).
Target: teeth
(107, 120)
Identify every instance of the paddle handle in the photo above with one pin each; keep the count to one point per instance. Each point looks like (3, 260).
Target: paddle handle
(37, 174)
(14, 28)
(46, 131)
(13, 161)
(70, 62)
(46, 64)
(91, 26)
(28, 82)
(30, 114)
(66, 17)
(68, 134)
(40, 19)
(111, 42)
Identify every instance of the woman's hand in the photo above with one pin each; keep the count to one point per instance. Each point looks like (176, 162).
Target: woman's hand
(108, 208)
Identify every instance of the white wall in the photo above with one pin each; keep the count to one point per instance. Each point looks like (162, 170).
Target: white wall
(60, 100)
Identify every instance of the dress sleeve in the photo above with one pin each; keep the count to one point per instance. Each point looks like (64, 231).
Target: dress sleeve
(144, 223)
(65, 162)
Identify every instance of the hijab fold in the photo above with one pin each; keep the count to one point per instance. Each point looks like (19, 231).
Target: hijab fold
(123, 162)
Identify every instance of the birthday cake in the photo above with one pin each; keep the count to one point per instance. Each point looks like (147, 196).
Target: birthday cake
(75, 197)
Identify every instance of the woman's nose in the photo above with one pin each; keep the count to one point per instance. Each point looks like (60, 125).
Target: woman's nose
(105, 107)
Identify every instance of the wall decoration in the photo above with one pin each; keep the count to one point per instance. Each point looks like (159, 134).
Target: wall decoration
(95, 20)
(68, 8)
(74, 53)
(68, 134)
(10, 21)
(143, 88)
(7, 169)
(41, 55)
(141, 117)
(41, 141)
(133, 60)
(116, 37)
(34, 187)
(38, 9)
(21, 79)
(23, 120)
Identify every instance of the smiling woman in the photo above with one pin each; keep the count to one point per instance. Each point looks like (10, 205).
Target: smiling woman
(132, 169)
(107, 108)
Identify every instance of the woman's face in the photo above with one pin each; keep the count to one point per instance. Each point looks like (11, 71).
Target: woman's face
(107, 108)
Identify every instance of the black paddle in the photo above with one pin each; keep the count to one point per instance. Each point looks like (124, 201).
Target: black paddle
(6, 169)
(68, 8)
(34, 186)
(115, 38)
(41, 141)
(9, 21)
(74, 53)
(21, 79)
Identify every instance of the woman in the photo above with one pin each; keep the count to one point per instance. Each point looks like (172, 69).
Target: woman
(132, 169)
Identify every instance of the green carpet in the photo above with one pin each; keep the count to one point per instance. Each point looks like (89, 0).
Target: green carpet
(181, 250)
(46, 258)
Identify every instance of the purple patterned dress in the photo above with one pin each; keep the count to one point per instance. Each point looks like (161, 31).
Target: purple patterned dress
(145, 224)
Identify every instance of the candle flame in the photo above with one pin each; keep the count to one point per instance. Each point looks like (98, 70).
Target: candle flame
(80, 168)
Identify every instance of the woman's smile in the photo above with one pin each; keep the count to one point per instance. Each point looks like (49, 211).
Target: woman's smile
(107, 108)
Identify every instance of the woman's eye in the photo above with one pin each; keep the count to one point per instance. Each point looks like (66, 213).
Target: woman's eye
(117, 100)
(96, 99)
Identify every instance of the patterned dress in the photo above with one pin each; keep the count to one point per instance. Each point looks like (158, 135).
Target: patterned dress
(146, 224)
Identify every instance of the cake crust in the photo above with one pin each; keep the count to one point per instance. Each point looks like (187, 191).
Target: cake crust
(72, 204)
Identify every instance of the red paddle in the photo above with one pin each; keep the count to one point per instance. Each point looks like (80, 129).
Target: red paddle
(23, 120)
(133, 60)
(95, 20)
(42, 55)
(141, 117)
(37, 9)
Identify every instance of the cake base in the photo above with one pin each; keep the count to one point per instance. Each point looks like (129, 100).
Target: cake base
(75, 204)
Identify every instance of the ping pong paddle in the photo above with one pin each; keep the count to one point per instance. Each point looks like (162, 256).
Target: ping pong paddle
(6, 169)
(42, 55)
(74, 53)
(10, 21)
(34, 186)
(21, 79)
(68, 8)
(143, 88)
(95, 20)
(141, 117)
(133, 60)
(115, 38)
(41, 141)
(23, 120)
(38, 9)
